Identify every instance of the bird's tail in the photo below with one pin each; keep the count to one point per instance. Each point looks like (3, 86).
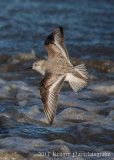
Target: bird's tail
(78, 80)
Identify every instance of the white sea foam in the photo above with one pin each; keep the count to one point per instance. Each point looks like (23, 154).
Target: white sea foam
(111, 115)
(105, 88)
(89, 107)
(5, 155)
(72, 113)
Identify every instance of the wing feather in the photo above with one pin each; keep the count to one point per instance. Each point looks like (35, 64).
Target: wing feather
(55, 42)
(49, 94)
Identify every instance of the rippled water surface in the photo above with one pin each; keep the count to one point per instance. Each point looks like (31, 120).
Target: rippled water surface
(84, 121)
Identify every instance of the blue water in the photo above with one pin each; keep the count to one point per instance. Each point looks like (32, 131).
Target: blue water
(84, 121)
(89, 26)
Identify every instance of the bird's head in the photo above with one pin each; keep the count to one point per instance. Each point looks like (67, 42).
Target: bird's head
(38, 66)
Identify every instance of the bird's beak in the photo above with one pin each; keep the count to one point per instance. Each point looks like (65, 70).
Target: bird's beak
(28, 68)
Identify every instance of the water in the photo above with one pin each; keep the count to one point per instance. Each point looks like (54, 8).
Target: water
(84, 121)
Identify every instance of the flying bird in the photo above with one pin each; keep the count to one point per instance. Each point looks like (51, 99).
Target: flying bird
(57, 69)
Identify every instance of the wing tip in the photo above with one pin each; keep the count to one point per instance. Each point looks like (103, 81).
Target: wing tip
(60, 29)
(50, 122)
(57, 33)
(49, 118)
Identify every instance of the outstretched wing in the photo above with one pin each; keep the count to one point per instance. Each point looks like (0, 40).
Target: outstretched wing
(54, 44)
(49, 90)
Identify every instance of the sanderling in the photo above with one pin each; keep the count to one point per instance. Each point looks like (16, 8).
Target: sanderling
(57, 69)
